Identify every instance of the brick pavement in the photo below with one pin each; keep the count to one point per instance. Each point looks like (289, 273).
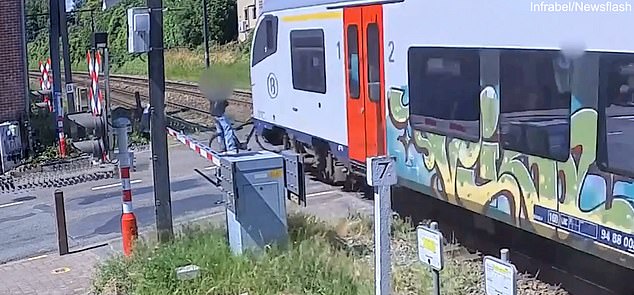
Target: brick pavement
(52, 274)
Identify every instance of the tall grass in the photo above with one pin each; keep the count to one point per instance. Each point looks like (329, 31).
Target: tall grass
(187, 65)
(311, 266)
(322, 259)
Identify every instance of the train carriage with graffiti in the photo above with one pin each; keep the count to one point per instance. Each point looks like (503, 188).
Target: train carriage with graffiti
(494, 106)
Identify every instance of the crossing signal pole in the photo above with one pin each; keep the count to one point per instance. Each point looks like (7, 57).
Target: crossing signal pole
(160, 166)
(206, 32)
(70, 87)
(54, 35)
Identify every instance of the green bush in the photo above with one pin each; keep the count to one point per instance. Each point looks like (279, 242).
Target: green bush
(182, 27)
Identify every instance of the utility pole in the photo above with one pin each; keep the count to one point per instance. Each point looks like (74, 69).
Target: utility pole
(106, 71)
(160, 165)
(206, 32)
(70, 89)
(57, 75)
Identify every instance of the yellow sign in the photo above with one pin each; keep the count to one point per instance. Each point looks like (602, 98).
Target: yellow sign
(500, 269)
(277, 173)
(429, 245)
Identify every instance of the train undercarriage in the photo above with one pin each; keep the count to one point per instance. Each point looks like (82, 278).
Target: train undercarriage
(318, 157)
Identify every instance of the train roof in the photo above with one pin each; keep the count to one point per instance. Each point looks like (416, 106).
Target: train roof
(273, 5)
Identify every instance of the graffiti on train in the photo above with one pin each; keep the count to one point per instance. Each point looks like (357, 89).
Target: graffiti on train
(520, 189)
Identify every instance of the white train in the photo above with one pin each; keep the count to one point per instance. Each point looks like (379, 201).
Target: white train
(503, 107)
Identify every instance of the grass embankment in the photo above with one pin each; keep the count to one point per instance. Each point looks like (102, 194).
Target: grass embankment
(322, 260)
(186, 65)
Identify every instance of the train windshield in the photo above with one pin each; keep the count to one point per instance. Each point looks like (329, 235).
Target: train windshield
(265, 39)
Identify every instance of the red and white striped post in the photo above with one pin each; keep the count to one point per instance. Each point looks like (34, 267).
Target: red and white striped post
(59, 110)
(128, 220)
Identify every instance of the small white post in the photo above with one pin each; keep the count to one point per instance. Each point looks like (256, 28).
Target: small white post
(436, 272)
(382, 175)
(430, 251)
(504, 255)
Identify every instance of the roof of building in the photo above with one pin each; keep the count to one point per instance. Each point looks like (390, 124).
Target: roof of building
(273, 5)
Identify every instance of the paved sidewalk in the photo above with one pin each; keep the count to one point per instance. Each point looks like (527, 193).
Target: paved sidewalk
(52, 274)
(72, 274)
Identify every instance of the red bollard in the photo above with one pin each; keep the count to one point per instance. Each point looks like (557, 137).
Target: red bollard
(128, 220)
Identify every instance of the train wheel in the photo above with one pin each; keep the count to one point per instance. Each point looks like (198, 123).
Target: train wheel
(329, 170)
(274, 136)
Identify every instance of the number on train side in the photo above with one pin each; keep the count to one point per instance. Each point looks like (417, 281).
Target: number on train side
(391, 46)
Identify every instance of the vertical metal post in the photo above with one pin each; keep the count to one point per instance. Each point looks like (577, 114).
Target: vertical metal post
(60, 213)
(435, 272)
(108, 135)
(504, 255)
(57, 77)
(160, 165)
(70, 95)
(206, 32)
(137, 101)
(381, 174)
(382, 222)
(27, 97)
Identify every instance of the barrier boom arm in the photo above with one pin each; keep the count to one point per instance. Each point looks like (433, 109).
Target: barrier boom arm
(200, 148)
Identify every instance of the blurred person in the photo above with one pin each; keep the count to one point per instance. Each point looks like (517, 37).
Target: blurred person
(217, 89)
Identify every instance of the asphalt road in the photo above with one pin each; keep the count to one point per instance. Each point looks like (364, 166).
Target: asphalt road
(93, 210)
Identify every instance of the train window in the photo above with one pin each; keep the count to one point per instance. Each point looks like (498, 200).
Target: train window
(374, 62)
(270, 41)
(353, 61)
(616, 113)
(535, 103)
(308, 60)
(265, 39)
(444, 88)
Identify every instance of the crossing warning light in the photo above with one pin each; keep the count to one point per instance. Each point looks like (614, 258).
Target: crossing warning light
(91, 132)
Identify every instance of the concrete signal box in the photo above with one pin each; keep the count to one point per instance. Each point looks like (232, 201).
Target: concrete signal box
(253, 183)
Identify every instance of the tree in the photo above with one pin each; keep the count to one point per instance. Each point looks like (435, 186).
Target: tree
(182, 26)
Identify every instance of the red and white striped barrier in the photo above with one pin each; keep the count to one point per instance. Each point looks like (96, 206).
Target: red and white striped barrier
(200, 148)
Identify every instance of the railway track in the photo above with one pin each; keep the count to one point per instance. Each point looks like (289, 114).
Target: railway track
(186, 108)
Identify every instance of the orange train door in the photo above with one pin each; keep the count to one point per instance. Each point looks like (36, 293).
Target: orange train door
(363, 43)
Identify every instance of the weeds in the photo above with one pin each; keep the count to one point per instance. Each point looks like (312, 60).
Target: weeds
(310, 266)
(322, 259)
